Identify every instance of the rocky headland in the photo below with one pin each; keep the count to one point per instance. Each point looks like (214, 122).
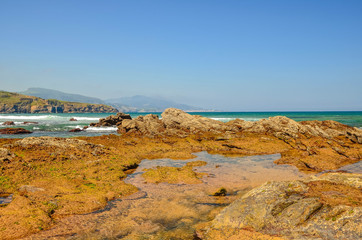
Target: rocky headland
(19, 103)
(81, 175)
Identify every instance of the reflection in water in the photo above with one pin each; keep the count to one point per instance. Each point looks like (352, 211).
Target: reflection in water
(164, 211)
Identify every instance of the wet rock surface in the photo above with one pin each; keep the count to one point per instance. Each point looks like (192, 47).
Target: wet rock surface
(294, 210)
(113, 120)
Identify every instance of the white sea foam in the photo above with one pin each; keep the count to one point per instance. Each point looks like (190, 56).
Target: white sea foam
(78, 126)
(101, 129)
(223, 119)
(229, 119)
(36, 128)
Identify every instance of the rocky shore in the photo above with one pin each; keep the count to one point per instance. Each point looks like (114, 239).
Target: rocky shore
(78, 176)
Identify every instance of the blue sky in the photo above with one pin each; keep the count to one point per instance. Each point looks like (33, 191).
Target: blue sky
(228, 55)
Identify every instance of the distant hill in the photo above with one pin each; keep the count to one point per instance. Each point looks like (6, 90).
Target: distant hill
(54, 94)
(141, 103)
(20, 103)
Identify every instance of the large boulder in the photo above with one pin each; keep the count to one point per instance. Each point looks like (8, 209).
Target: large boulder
(177, 119)
(325, 207)
(113, 120)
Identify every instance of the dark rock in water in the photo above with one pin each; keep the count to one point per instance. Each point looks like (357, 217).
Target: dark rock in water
(113, 120)
(221, 192)
(76, 130)
(302, 209)
(30, 123)
(9, 123)
(85, 127)
(73, 119)
(14, 131)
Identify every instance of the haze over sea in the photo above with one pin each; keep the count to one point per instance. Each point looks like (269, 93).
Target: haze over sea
(58, 125)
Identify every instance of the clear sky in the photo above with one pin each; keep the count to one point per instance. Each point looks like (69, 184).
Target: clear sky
(227, 54)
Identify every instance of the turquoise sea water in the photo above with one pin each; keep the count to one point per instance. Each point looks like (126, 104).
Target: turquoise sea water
(59, 124)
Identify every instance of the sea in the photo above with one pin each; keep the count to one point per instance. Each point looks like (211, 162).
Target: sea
(58, 125)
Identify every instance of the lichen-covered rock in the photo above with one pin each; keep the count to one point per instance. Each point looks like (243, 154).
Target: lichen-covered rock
(305, 209)
(5, 155)
(62, 143)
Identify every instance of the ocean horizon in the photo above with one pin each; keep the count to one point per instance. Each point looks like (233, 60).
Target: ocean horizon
(59, 124)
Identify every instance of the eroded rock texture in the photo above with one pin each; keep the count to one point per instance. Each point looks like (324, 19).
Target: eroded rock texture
(325, 207)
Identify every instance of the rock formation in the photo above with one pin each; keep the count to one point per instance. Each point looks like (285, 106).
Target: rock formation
(113, 120)
(14, 131)
(312, 145)
(178, 122)
(325, 207)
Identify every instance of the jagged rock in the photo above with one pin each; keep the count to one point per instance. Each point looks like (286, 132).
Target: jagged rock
(14, 131)
(113, 120)
(178, 122)
(5, 155)
(149, 125)
(9, 123)
(177, 119)
(326, 207)
(73, 119)
(173, 122)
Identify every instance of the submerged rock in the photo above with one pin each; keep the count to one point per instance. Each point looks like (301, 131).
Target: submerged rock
(76, 130)
(326, 207)
(113, 120)
(30, 123)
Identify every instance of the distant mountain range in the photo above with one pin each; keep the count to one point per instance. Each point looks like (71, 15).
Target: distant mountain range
(54, 94)
(136, 103)
(141, 103)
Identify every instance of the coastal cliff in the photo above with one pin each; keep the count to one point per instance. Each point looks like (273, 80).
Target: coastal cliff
(19, 103)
